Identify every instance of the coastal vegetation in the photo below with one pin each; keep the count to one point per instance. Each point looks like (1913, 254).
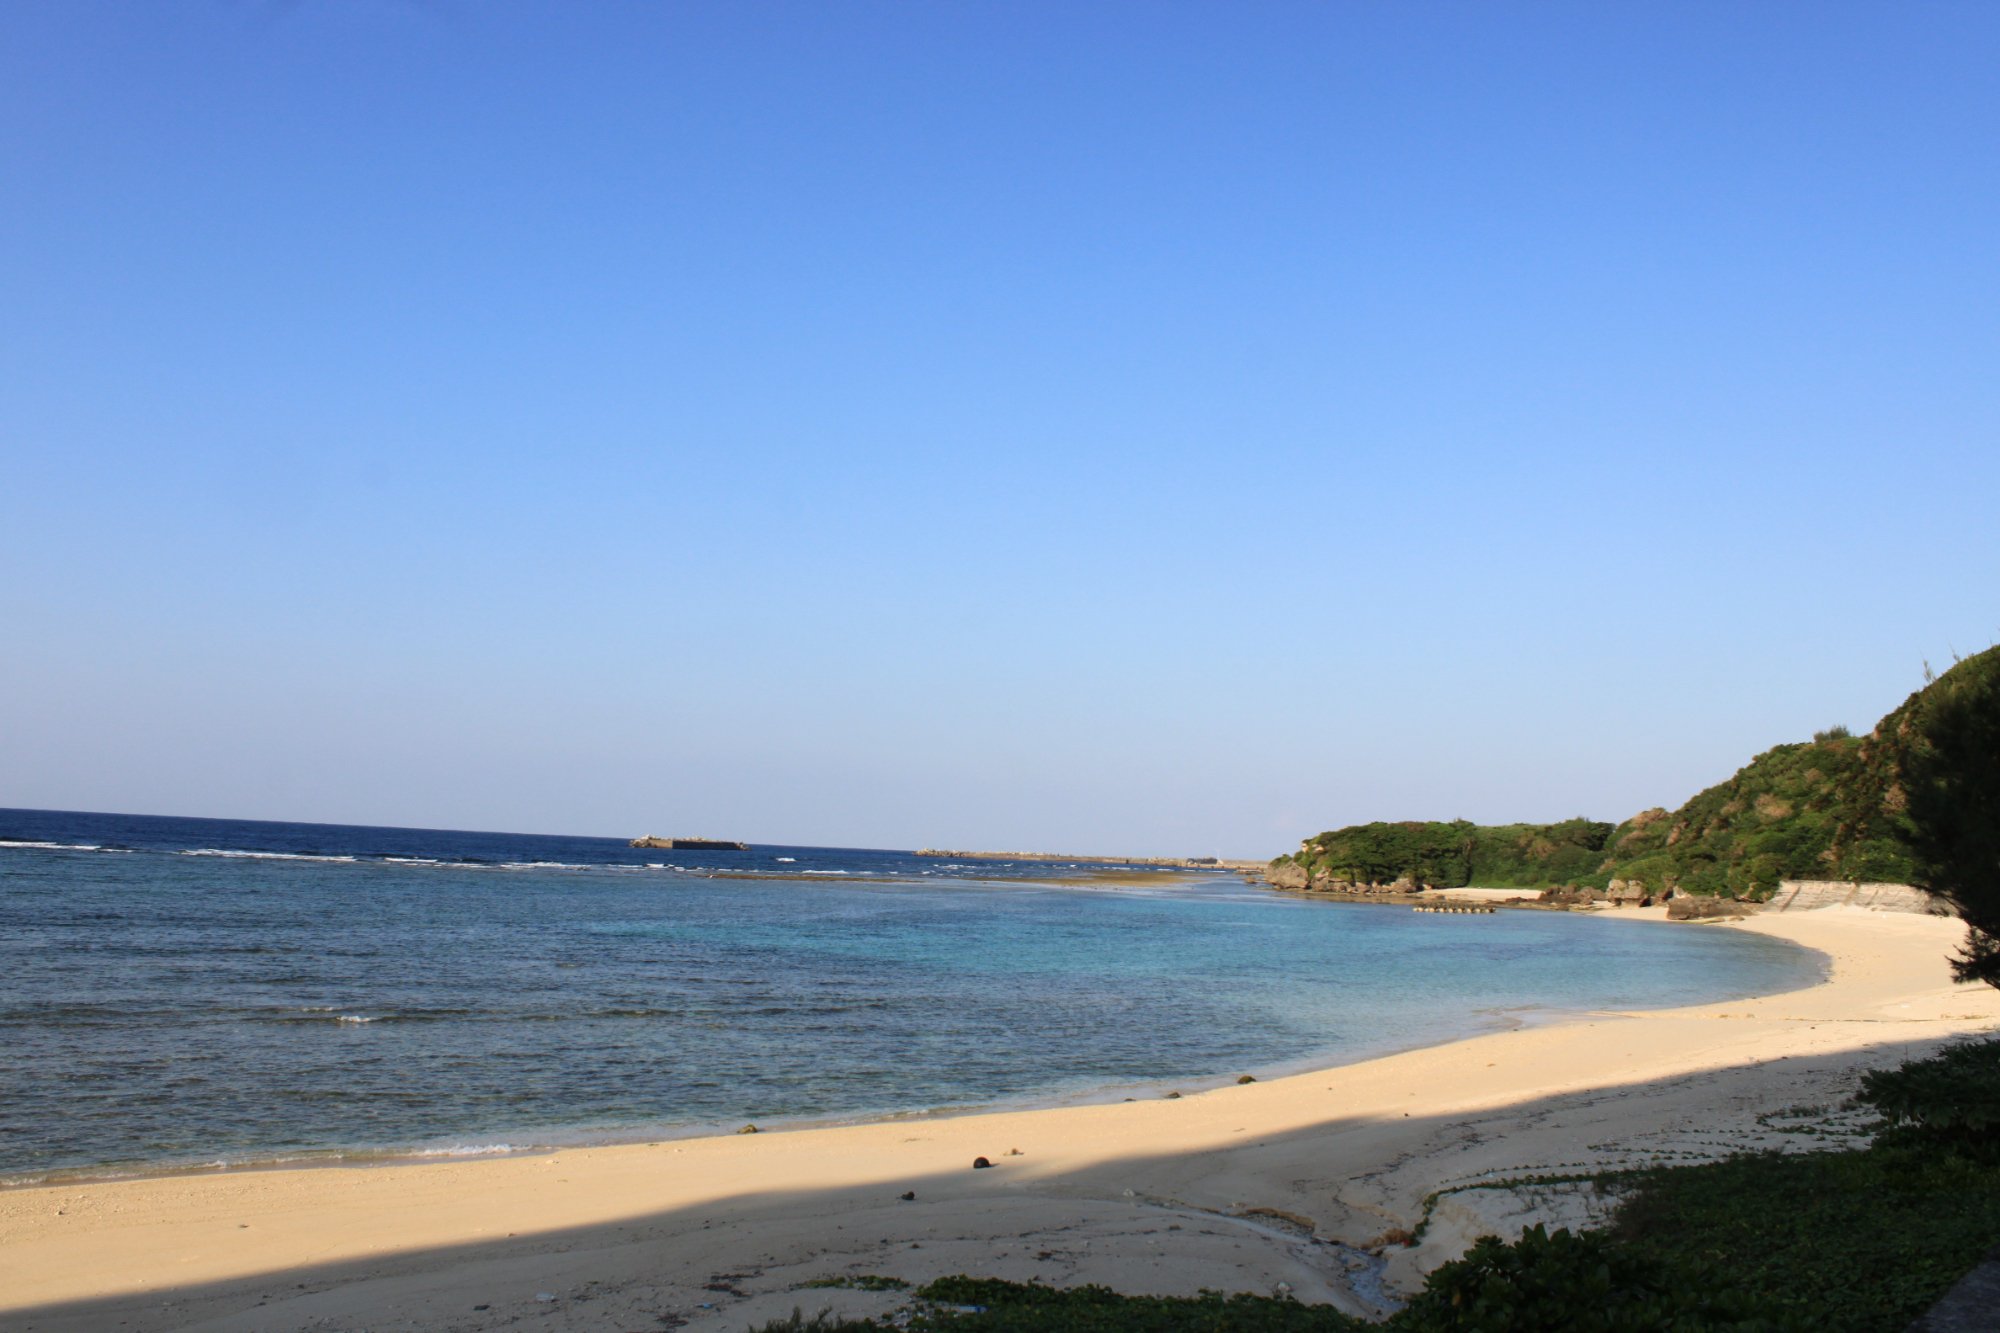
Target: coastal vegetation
(1459, 852)
(1917, 800)
(1860, 1240)
(1856, 1240)
(1950, 746)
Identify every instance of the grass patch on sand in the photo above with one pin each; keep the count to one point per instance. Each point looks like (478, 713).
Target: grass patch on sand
(858, 1282)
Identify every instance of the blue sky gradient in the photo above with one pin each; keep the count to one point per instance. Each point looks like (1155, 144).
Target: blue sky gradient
(1143, 427)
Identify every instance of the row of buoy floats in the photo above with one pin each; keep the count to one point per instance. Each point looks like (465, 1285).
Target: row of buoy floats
(1456, 909)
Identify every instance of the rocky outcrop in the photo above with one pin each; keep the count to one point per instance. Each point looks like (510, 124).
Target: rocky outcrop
(1288, 875)
(1694, 907)
(1568, 895)
(1628, 893)
(1322, 882)
(1619, 893)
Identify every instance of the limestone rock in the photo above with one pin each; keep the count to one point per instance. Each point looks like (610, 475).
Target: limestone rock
(1290, 875)
(1693, 907)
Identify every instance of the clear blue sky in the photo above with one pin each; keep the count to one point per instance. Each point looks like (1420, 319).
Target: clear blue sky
(1144, 427)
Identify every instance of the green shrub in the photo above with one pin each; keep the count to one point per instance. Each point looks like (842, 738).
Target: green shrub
(1568, 1283)
(1016, 1307)
(1955, 1094)
(1845, 1242)
(1452, 853)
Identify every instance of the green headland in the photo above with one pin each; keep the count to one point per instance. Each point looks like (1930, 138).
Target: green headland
(1834, 807)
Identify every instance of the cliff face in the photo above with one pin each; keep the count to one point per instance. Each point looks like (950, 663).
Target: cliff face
(1829, 809)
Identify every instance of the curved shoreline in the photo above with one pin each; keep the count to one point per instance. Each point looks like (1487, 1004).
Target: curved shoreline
(496, 1144)
(1152, 1195)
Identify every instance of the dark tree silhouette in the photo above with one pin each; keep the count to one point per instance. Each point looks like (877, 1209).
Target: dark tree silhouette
(1951, 780)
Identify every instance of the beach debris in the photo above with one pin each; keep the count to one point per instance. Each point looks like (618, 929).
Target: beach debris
(1014, 1152)
(908, 1196)
(545, 1296)
(1283, 1291)
(749, 1129)
(980, 1164)
(1246, 1078)
(1173, 1096)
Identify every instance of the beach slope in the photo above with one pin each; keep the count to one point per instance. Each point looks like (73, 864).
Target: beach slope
(1291, 1181)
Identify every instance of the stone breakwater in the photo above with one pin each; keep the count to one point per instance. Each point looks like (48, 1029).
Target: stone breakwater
(1164, 862)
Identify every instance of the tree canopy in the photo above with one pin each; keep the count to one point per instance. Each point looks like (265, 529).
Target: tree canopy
(1951, 793)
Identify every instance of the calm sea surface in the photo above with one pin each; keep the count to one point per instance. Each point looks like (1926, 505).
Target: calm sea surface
(175, 992)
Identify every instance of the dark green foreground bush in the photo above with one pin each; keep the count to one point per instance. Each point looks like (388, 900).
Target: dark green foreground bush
(1849, 1242)
(1585, 1283)
(1953, 1096)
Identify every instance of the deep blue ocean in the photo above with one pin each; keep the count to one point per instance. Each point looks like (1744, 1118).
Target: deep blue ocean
(183, 992)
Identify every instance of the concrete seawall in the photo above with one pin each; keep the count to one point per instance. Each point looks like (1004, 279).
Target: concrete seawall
(1802, 895)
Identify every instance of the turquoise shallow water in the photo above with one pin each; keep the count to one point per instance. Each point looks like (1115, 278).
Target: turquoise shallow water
(181, 992)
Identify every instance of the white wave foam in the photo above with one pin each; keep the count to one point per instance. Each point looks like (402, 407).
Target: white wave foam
(259, 856)
(787, 860)
(413, 860)
(53, 846)
(822, 872)
(356, 1018)
(465, 1150)
(544, 865)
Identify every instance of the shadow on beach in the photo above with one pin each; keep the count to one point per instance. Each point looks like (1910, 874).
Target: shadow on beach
(1299, 1208)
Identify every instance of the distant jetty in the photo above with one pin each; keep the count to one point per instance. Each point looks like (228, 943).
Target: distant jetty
(1165, 862)
(690, 844)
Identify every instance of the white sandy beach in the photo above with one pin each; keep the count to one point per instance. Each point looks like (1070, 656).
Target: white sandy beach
(1237, 1188)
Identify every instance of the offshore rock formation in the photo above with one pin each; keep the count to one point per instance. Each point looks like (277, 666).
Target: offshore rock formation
(690, 844)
